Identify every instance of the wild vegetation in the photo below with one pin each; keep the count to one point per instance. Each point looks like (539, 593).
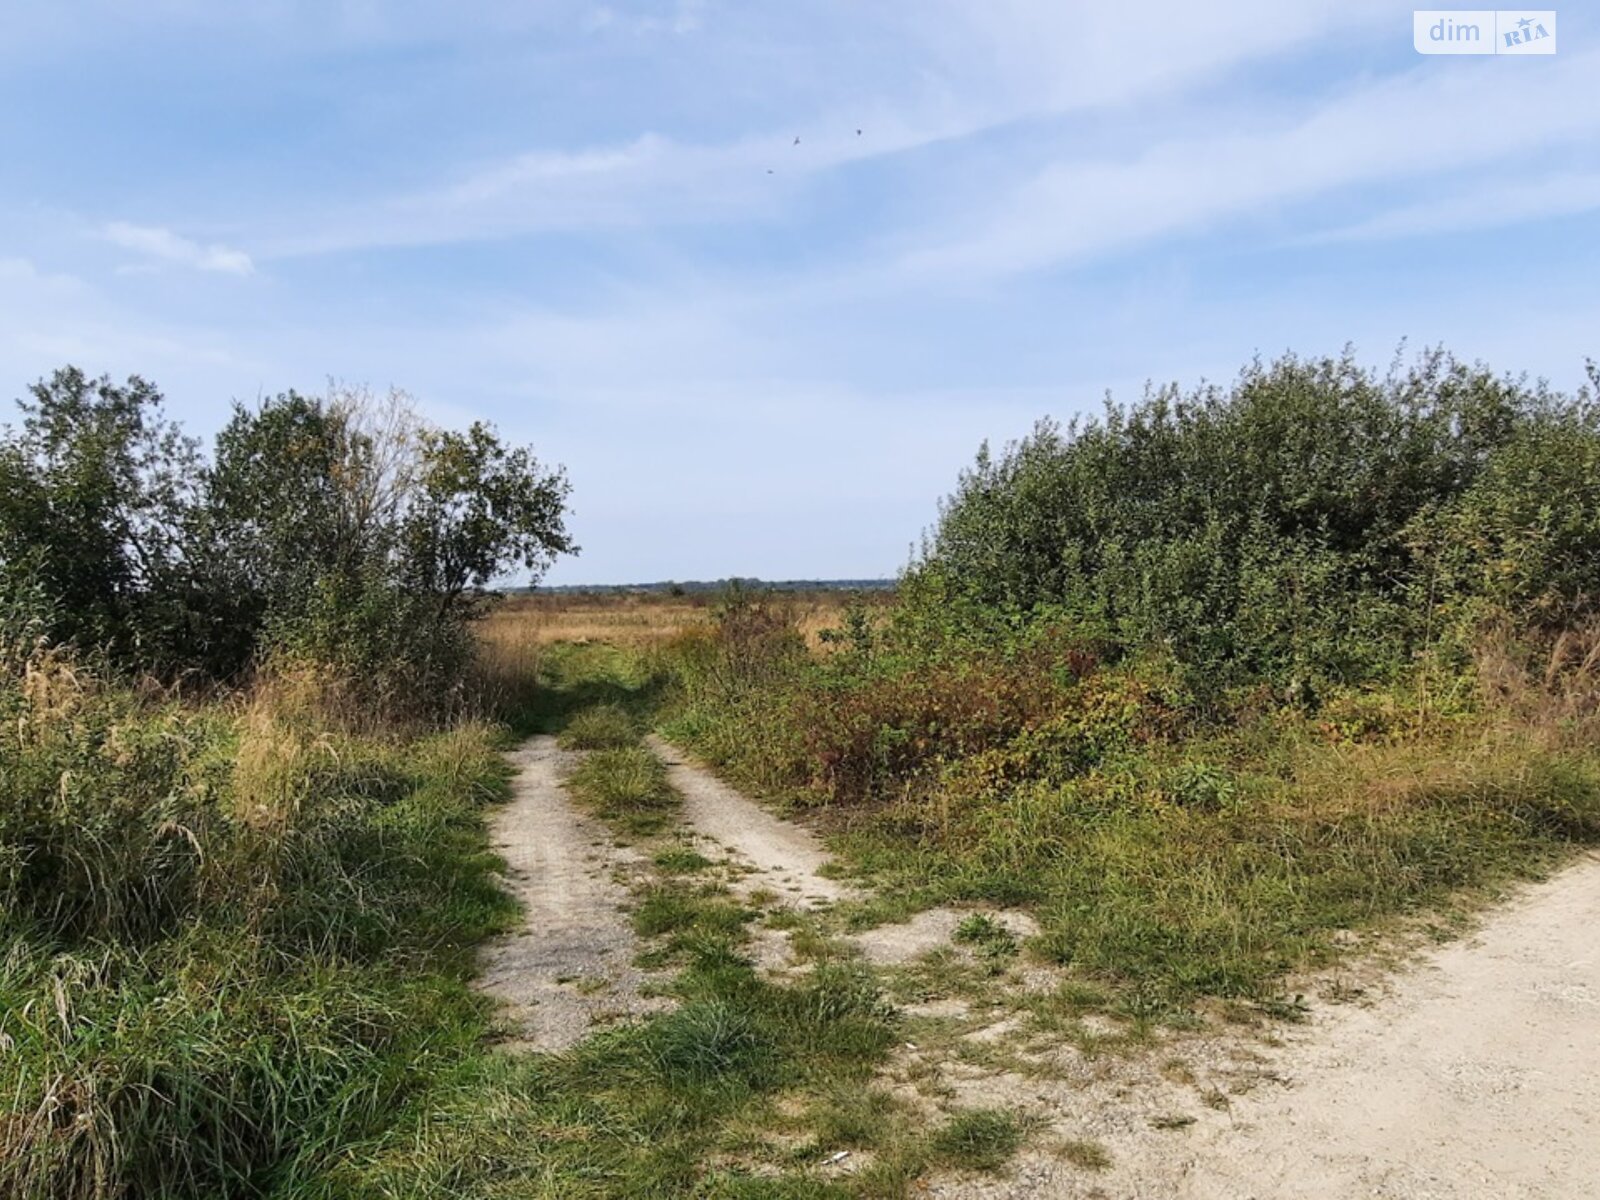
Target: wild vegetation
(343, 532)
(242, 862)
(1211, 680)
(1212, 685)
(236, 935)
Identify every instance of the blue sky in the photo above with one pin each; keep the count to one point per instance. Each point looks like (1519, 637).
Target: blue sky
(591, 224)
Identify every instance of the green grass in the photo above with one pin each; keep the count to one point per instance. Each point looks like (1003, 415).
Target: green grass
(680, 860)
(274, 1000)
(677, 909)
(1209, 858)
(686, 1103)
(627, 788)
(257, 954)
(980, 1139)
(1209, 861)
(600, 727)
(573, 678)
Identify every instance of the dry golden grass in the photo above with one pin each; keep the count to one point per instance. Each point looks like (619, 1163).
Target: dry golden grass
(529, 622)
(520, 625)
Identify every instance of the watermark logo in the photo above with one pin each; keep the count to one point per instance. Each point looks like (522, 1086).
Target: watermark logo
(1484, 31)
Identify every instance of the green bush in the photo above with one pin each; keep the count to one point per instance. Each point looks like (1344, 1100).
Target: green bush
(1314, 524)
(343, 532)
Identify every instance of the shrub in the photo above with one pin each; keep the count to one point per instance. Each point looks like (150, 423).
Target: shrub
(1312, 525)
(342, 531)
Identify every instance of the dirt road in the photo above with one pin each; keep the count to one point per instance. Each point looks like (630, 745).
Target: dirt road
(1474, 1074)
(1477, 1076)
(570, 965)
(782, 857)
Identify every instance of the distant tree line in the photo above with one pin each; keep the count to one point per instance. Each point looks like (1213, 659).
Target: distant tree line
(342, 529)
(690, 587)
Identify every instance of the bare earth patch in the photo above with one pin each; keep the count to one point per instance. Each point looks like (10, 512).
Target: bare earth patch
(788, 861)
(930, 930)
(570, 965)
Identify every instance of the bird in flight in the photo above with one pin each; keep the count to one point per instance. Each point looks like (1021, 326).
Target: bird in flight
(797, 141)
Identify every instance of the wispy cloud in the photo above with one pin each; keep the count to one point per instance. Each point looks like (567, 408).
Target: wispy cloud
(650, 182)
(981, 70)
(1425, 122)
(164, 245)
(685, 16)
(1486, 206)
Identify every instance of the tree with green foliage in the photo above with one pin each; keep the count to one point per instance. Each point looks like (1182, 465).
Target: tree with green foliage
(478, 506)
(341, 529)
(96, 489)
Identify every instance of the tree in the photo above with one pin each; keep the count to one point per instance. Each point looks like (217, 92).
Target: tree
(343, 529)
(96, 490)
(478, 509)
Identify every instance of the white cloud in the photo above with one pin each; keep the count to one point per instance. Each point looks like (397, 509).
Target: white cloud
(1428, 121)
(951, 71)
(166, 246)
(1561, 194)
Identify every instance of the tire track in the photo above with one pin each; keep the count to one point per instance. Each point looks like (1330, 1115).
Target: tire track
(570, 965)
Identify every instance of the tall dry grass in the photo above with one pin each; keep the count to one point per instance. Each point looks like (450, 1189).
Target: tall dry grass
(636, 620)
(232, 935)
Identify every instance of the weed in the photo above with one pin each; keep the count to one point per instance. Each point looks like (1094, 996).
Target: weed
(627, 788)
(680, 860)
(676, 909)
(996, 945)
(237, 944)
(979, 1139)
(1090, 1156)
(710, 1041)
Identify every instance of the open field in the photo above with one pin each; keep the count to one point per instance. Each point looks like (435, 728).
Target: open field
(644, 618)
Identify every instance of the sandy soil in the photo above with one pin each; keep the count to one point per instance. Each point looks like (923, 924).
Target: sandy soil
(570, 965)
(930, 930)
(1476, 1073)
(779, 856)
(788, 860)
